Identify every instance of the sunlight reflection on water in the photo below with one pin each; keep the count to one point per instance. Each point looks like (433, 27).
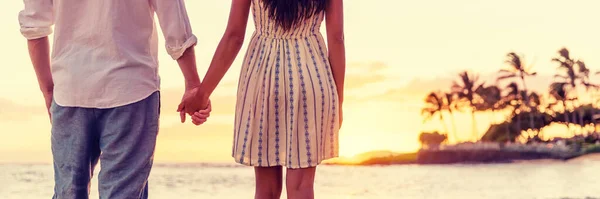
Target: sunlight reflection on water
(541, 179)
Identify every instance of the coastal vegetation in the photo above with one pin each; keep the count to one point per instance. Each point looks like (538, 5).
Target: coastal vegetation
(571, 100)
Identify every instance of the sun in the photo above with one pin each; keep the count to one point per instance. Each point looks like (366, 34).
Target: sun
(351, 146)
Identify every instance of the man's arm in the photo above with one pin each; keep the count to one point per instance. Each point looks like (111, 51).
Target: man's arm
(36, 21)
(175, 25)
(39, 52)
(187, 64)
(179, 42)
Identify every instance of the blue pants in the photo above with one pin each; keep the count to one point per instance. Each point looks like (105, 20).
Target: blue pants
(122, 138)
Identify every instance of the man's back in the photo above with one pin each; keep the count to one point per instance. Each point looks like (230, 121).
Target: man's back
(105, 52)
(101, 86)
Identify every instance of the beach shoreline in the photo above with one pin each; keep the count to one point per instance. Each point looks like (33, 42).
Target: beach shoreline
(474, 153)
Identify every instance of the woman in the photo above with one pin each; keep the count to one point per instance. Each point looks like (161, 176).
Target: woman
(290, 93)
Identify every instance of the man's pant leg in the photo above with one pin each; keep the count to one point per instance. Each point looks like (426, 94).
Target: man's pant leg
(128, 138)
(75, 151)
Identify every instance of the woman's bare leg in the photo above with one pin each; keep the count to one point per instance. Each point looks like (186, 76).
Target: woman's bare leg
(269, 182)
(300, 183)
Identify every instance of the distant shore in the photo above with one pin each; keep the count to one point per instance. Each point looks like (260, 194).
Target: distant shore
(480, 153)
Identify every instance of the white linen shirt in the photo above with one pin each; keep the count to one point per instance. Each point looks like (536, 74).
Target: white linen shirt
(104, 52)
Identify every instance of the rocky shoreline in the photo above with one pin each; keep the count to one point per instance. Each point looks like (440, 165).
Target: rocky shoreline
(478, 153)
(494, 153)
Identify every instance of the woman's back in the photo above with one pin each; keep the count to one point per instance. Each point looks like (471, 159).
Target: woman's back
(267, 26)
(289, 98)
(287, 102)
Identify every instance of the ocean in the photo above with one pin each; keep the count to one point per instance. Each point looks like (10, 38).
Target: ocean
(533, 179)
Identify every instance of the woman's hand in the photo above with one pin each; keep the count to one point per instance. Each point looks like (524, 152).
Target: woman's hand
(201, 116)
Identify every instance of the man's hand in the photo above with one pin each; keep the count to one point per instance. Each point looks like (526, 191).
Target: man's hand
(193, 101)
(48, 99)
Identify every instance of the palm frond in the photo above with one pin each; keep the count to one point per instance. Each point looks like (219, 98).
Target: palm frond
(505, 71)
(506, 77)
(584, 72)
(512, 89)
(588, 85)
(562, 77)
(514, 61)
(456, 87)
(426, 116)
(558, 90)
(427, 112)
(564, 52)
(436, 99)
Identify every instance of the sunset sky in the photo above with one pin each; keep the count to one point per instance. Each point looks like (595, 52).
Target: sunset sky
(397, 51)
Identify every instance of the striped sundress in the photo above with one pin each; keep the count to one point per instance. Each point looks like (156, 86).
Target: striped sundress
(287, 102)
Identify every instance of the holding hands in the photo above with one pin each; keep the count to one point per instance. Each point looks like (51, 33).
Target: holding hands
(196, 104)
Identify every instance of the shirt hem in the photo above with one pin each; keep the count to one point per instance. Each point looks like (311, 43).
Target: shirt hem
(115, 105)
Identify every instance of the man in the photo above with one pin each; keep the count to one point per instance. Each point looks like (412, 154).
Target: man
(101, 86)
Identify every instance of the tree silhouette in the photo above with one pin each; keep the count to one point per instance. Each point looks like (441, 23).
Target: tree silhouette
(465, 90)
(518, 70)
(558, 91)
(451, 105)
(491, 99)
(529, 111)
(572, 72)
(435, 106)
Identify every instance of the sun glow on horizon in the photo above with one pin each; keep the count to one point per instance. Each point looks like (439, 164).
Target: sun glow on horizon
(397, 52)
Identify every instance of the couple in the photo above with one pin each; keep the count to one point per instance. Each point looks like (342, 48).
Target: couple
(101, 88)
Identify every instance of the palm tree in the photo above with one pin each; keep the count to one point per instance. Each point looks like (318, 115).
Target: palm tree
(584, 74)
(492, 101)
(574, 72)
(451, 105)
(596, 101)
(567, 64)
(434, 105)
(491, 96)
(558, 91)
(518, 70)
(533, 103)
(466, 93)
(514, 98)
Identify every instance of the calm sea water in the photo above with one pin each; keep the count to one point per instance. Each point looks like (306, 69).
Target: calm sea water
(546, 179)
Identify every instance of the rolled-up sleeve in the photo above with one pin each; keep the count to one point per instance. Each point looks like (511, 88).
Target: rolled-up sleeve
(175, 26)
(36, 19)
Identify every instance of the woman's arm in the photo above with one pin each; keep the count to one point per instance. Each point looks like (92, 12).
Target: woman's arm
(228, 48)
(334, 20)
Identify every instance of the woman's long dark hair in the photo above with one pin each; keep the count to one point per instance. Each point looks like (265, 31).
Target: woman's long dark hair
(288, 13)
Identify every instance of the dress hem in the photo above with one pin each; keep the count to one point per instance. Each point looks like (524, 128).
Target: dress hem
(303, 165)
